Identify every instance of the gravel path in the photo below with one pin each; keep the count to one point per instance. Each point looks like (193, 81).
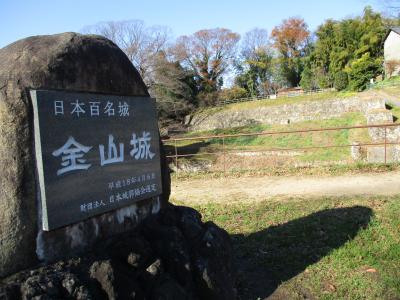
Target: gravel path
(259, 188)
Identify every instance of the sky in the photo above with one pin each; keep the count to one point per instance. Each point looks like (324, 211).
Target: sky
(19, 19)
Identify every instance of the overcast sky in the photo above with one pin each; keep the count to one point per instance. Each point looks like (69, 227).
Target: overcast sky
(19, 19)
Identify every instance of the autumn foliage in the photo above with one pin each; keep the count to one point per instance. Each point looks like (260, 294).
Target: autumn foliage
(192, 70)
(290, 37)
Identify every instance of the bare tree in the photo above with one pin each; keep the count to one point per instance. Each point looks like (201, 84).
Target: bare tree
(173, 88)
(140, 43)
(254, 41)
(208, 54)
(392, 4)
(390, 8)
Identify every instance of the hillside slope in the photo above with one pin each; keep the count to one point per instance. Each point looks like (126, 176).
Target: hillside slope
(293, 146)
(292, 110)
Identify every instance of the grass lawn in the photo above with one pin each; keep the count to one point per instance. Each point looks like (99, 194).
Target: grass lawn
(390, 86)
(329, 248)
(298, 140)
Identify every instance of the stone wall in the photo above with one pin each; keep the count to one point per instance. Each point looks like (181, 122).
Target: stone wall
(378, 134)
(283, 114)
(378, 154)
(69, 61)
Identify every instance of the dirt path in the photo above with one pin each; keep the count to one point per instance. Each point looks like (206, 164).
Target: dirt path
(259, 188)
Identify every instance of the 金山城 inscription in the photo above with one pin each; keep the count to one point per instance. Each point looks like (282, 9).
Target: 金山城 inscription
(94, 153)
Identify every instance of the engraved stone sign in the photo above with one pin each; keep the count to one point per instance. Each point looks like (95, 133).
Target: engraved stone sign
(94, 153)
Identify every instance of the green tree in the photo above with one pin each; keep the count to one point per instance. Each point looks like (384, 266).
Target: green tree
(254, 67)
(349, 45)
(321, 55)
(254, 72)
(308, 79)
(341, 80)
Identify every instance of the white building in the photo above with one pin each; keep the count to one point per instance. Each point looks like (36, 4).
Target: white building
(392, 52)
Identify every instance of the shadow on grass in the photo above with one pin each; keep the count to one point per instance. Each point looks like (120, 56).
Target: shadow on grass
(266, 258)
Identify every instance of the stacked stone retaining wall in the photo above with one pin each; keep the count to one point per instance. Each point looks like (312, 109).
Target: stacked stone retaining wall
(283, 114)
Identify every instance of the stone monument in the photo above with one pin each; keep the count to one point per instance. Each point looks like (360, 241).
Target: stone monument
(72, 62)
(84, 210)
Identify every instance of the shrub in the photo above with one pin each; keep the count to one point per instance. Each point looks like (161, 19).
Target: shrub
(391, 66)
(341, 80)
(208, 99)
(234, 92)
(362, 70)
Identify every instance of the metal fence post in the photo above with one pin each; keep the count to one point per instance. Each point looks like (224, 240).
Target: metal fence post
(176, 158)
(223, 151)
(385, 144)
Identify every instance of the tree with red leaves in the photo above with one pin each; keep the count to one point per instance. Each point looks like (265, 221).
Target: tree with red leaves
(291, 40)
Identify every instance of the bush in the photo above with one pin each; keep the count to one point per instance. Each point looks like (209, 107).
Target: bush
(234, 92)
(308, 81)
(391, 67)
(362, 70)
(341, 81)
(208, 99)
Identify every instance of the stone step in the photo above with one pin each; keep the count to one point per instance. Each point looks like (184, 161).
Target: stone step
(377, 110)
(376, 154)
(381, 116)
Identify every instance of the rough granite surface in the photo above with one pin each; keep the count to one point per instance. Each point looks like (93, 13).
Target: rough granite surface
(71, 61)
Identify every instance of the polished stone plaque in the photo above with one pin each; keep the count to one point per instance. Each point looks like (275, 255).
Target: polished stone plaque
(94, 153)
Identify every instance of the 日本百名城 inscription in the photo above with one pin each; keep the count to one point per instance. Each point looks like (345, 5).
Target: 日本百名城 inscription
(94, 153)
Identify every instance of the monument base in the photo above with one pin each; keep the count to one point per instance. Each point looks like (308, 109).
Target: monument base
(171, 255)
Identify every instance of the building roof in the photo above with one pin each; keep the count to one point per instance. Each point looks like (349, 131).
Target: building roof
(394, 29)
